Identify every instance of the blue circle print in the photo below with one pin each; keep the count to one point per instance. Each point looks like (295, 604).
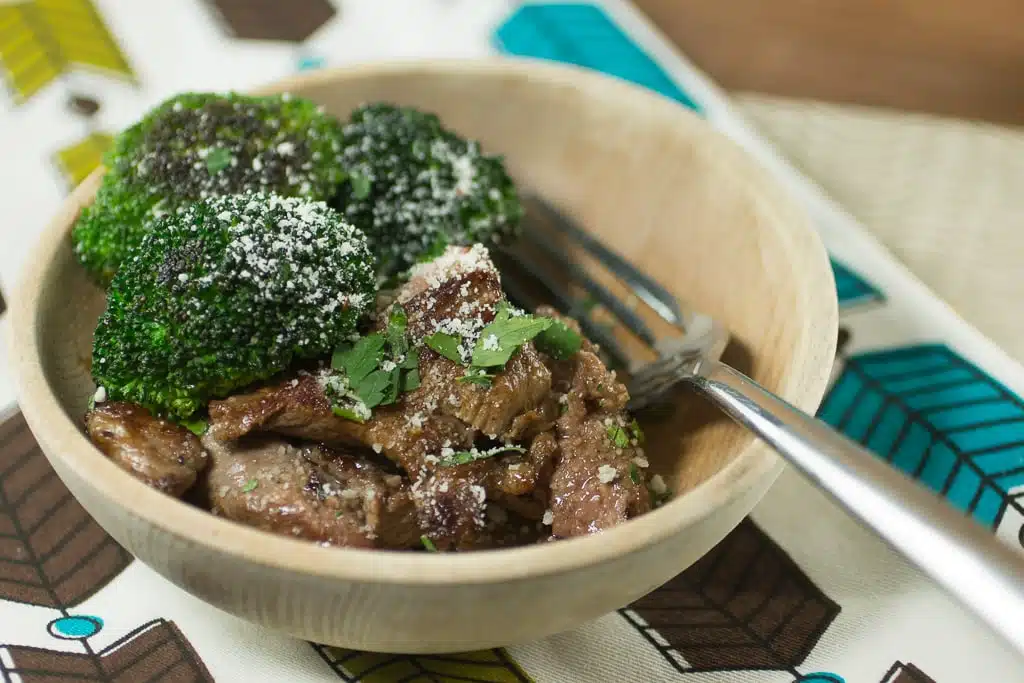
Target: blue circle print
(74, 628)
(820, 677)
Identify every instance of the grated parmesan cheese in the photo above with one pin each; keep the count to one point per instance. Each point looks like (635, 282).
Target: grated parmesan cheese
(607, 474)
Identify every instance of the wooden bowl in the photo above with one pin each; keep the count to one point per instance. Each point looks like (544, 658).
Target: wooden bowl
(644, 174)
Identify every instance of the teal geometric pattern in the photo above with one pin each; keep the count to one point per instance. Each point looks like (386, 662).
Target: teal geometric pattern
(851, 288)
(310, 62)
(939, 418)
(584, 35)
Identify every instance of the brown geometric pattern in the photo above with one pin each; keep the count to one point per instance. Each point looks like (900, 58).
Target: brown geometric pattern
(482, 666)
(286, 20)
(156, 652)
(744, 605)
(52, 553)
(906, 673)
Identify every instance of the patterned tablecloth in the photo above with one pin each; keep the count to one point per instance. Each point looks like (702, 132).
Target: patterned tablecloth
(797, 592)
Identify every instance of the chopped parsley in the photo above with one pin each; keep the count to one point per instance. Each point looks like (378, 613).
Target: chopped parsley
(636, 433)
(360, 360)
(617, 435)
(472, 455)
(374, 370)
(428, 544)
(634, 473)
(250, 486)
(445, 344)
(478, 376)
(197, 426)
(559, 341)
(503, 337)
(348, 413)
(398, 323)
(498, 341)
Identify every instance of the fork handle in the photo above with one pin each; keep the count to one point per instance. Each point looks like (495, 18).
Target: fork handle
(955, 551)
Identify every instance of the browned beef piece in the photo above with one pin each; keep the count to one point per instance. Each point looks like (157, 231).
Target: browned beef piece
(310, 492)
(596, 484)
(440, 416)
(295, 406)
(516, 406)
(453, 502)
(162, 454)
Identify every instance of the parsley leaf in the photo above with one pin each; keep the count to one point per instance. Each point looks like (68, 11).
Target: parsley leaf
(412, 360)
(477, 376)
(338, 357)
(410, 380)
(197, 426)
(218, 159)
(636, 432)
(347, 413)
(634, 473)
(499, 340)
(367, 377)
(502, 312)
(391, 390)
(446, 345)
(428, 544)
(617, 435)
(250, 486)
(463, 457)
(375, 388)
(363, 358)
(559, 341)
(398, 321)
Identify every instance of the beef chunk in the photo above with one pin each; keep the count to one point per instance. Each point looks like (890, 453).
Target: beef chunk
(295, 406)
(600, 478)
(564, 413)
(162, 454)
(441, 416)
(310, 492)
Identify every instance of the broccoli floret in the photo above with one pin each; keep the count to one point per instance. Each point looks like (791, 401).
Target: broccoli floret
(199, 145)
(228, 291)
(415, 187)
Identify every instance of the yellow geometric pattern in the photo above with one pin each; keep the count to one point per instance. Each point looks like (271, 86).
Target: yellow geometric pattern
(42, 39)
(78, 160)
(482, 666)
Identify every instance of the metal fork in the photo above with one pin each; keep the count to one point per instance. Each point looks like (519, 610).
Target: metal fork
(959, 554)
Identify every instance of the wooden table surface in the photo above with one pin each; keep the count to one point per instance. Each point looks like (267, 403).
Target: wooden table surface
(960, 58)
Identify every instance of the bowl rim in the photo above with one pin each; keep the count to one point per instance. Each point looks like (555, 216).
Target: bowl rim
(62, 439)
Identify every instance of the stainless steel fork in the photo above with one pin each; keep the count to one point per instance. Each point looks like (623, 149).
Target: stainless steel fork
(960, 555)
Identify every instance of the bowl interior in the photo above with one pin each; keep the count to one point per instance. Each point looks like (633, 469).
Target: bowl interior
(650, 179)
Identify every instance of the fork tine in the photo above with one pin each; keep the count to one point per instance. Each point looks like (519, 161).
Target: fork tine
(653, 294)
(565, 302)
(655, 384)
(631, 320)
